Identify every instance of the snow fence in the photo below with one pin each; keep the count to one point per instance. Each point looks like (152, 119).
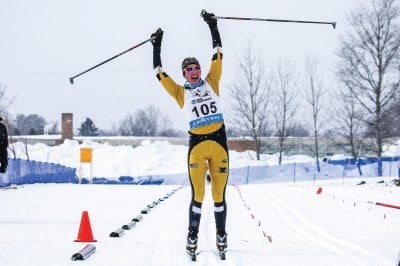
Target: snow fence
(29, 172)
(22, 171)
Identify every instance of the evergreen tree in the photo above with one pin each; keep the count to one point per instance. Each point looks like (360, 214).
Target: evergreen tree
(88, 128)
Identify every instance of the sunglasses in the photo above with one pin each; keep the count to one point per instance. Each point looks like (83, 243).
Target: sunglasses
(190, 69)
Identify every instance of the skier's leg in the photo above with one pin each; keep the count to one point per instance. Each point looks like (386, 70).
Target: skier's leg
(197, 170)
(219, 169)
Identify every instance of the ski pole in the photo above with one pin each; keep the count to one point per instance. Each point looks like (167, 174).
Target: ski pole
(274, 20)
(109, 59)
(384, 204)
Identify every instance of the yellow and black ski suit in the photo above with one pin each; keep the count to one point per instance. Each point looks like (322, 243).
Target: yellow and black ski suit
(207, 144)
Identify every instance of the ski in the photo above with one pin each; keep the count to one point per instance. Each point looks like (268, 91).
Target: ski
(193, 254)
(222, 252)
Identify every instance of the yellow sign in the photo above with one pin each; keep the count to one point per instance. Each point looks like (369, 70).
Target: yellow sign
(86, 155)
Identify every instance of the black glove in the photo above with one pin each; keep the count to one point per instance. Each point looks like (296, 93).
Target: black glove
(209, 18)
(157, 38)
(212, 22)
(156, 41)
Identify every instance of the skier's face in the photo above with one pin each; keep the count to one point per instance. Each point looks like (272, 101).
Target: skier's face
(192, 73)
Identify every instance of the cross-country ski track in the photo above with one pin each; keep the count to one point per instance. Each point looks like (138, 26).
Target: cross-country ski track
(268, 224)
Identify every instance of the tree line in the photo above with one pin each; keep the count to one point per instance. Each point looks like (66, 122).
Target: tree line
(149, 121)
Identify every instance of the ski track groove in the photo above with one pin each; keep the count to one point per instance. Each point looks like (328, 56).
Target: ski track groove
(207, 233)
(316, 234)
(168, 231)
(147, 237)
(236, 253)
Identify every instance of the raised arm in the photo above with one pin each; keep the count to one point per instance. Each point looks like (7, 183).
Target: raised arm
(168, 83)
(210, 19)
(215, 72)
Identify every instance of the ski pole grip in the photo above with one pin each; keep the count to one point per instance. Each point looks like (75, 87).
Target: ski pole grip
(157, 34)
(202, 13)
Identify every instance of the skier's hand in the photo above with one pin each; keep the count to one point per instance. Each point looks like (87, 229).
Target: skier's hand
(157, 38)
(209, 18)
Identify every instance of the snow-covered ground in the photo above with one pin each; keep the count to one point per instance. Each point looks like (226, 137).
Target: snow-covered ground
(268, 224)
(275, 223)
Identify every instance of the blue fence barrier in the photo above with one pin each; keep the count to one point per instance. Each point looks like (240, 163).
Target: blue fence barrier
(362, 161)
(22, 171)
(29, 172)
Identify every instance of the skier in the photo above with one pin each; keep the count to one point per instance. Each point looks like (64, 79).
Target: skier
(199, 99)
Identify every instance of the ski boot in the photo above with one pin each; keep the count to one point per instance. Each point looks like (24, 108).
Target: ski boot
(191, 244)
(222, 244)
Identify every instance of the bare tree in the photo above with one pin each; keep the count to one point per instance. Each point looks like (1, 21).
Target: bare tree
(32, 124)
(297, 129)
(369, 64)
(349, 123)
(392, 119)
(5, 102)
(285, 107)
(249, 96)
(145, 122)
(314, 97)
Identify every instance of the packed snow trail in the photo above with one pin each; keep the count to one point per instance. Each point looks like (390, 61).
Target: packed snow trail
(267, 224)
(159, 239)
(313, 228)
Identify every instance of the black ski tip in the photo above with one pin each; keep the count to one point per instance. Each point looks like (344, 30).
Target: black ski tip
(71, 80)
(222, 256)
(192, 253)
(222, 251)
(193, 256)
(77, 256)
(138, 218)
(116, 234)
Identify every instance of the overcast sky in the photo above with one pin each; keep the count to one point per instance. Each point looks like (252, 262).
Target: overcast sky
(44, 42)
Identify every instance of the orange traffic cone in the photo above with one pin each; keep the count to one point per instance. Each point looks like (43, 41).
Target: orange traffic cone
(319, 191)
(85, 230)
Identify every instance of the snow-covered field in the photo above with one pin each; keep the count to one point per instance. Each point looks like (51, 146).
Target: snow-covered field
(274, 223)
(268, 224)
